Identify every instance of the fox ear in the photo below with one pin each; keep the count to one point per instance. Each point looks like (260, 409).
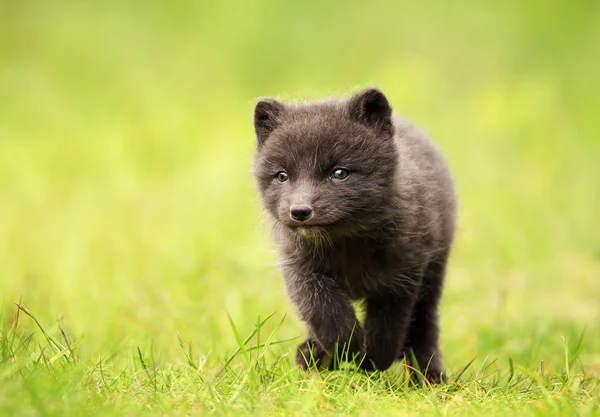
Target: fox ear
(370, 107)
(266, 114)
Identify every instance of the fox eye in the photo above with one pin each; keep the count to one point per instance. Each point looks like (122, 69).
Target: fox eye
(282, 176)
(340, 174)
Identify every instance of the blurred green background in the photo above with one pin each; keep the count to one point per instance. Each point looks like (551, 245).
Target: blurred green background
(128, 209)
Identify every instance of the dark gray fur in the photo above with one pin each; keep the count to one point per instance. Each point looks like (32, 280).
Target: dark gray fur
(382, 235)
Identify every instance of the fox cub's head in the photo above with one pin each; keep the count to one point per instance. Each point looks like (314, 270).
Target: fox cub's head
(326, 167)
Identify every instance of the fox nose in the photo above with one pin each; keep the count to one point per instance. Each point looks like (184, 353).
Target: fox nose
(301, 213)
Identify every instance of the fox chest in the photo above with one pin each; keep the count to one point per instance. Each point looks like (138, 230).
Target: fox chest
(361, 273)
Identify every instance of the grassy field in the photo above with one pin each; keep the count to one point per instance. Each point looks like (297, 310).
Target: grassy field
(132, 236)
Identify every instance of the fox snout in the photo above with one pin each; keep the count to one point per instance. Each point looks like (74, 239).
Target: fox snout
(301, 213)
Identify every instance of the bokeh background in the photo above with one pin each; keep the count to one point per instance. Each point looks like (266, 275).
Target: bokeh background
(127, 206)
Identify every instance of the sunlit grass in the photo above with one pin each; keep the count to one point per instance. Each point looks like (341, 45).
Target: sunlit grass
(259, 376)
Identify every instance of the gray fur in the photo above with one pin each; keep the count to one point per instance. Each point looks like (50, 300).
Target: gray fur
(383, 234)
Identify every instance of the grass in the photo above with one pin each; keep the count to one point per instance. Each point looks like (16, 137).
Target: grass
(258, 377)
(131, 233)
